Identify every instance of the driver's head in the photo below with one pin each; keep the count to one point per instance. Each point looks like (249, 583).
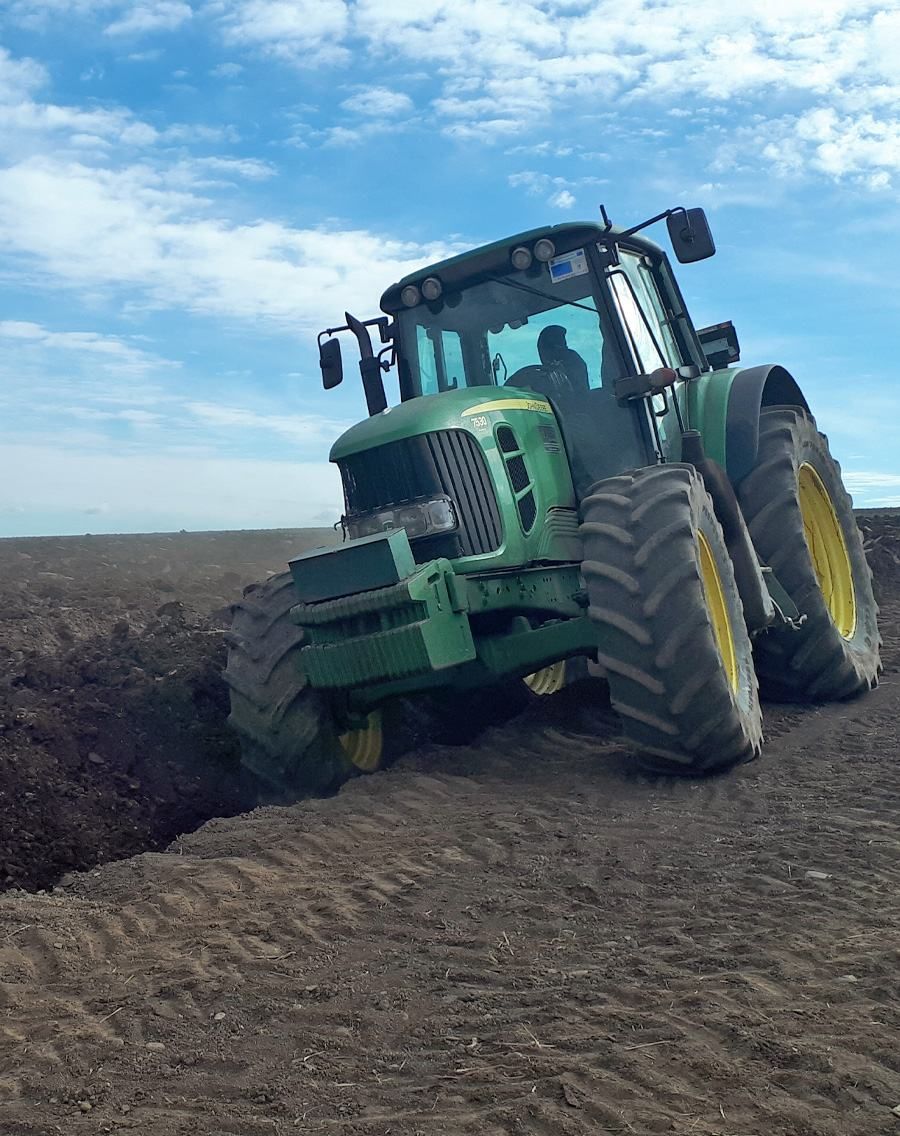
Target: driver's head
(551, 343)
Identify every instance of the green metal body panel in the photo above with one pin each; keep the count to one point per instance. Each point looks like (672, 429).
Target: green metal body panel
(355, 566)
(525, 649)
(479, 411)
(553, 591)
(707, 403)
(436, 628)
(410, 628)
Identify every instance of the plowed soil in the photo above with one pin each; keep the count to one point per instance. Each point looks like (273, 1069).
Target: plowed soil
(522, 935)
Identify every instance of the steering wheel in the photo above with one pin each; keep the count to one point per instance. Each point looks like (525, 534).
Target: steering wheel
(535, 377)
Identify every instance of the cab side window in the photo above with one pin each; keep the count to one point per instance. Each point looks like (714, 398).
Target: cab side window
(440, 359)
(649, 333)
(643, 314)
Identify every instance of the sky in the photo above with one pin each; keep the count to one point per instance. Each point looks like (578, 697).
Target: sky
(191, 189)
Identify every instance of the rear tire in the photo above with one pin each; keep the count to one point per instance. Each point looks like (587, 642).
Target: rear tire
(793, 500)
(672, 635)
(288, 740)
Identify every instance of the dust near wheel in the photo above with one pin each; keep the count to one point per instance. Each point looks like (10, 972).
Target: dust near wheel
(801, 520)
(673, 639)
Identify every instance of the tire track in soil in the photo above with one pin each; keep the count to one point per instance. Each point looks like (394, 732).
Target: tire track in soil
(521, 937)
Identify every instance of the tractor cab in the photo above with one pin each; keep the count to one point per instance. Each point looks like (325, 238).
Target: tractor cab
(573, 313)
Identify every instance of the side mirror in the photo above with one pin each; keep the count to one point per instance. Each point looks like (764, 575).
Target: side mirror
(720, 344)
(331, 363)
(690, 235)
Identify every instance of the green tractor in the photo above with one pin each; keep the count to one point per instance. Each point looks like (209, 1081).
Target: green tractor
(573, 473)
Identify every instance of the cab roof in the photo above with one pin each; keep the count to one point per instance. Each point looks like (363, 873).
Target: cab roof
(494, 258)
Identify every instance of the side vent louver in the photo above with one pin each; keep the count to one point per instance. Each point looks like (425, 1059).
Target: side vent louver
(527, 510)
(519, 477)
(550, 438)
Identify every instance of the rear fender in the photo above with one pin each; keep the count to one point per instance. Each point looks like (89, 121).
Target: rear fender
(725, 406)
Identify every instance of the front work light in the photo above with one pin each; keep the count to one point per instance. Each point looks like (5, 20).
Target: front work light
(410, 295)
(544, 249)
(432, 288)
(420, 518)
(521, 258)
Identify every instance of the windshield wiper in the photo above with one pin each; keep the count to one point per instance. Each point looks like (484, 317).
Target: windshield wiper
(544, 295)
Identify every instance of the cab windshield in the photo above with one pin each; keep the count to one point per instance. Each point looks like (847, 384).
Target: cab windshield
(518, 330)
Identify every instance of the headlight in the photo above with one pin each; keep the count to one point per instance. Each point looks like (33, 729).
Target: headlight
(410, 295)
(521, 258)
(432, 288)
(426, 517)
(370, 523)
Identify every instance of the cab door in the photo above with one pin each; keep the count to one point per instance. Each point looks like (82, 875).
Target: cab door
(653, 336)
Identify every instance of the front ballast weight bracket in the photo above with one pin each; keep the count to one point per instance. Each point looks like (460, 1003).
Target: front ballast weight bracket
(371, 614)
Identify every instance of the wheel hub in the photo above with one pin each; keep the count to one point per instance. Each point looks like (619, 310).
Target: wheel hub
(548, 680)
(717, 607)
(363, 745)
(828, 550)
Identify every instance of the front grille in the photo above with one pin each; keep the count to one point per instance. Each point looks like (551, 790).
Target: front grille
(445, 461)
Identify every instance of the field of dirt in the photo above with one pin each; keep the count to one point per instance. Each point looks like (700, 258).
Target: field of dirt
(520, 936)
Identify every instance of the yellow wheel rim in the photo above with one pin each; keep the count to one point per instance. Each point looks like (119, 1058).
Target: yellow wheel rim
(717, 607)
(363, 746)
(828, 550)
(548, 680)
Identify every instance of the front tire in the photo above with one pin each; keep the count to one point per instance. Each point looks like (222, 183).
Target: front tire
(670, 621)
(801, 520)
(288, 739)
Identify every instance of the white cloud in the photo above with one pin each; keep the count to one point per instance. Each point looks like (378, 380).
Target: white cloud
(347, 136)
(559, 189)
(19, 77)
(873, 489)
(133, 417)
(532, 181)
(378, 102)
(562, 200)
(29, 126)
(506, 65)
(300, 428)
(860, 146)
(125, 229)
(31, 120)
(545, 149)
(227, 71)
(155, 16)
(253, 169)
(110, 352)
(299, 31)
(863, 480)
(30, 11)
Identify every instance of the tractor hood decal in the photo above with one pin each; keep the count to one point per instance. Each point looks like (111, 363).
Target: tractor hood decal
(535, 404)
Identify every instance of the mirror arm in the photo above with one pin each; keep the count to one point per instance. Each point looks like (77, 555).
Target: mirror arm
(659, 217)
(385, 332)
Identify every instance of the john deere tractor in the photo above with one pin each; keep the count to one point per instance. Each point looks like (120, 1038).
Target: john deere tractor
(573, 471)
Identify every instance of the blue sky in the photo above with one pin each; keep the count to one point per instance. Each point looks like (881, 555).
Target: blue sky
(189, 191)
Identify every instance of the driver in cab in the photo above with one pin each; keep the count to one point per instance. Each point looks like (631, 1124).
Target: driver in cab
(562, 371)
